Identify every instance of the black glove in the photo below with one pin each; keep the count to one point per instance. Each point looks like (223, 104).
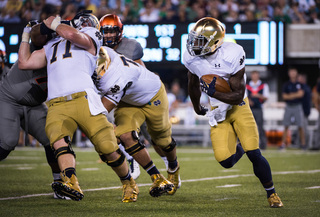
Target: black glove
(203, 110)
(75, 22)
(209, 89)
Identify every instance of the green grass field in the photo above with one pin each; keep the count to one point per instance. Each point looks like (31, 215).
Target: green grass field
(207, 188)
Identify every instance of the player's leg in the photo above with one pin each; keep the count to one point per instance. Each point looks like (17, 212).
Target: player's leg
(101, 134)
(60, 127)
(37, 121)
(128, 120)
(246, 129)
(9, 127)
(133, 164)
(224, 143)
(159, 128)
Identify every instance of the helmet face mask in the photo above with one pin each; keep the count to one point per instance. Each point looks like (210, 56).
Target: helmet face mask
(87, 20)
(205, 37)
(111, 29)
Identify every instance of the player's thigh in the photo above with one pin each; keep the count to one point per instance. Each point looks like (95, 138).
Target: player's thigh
(128, 118)
(224, 140)
(37, 122)
(60, 121)
(10, 116)
(96, 127)
(245, 126)
(157, 118)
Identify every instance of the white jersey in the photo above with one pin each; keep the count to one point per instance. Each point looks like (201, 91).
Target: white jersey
(226, 61)
(69, 67)
(128, 81)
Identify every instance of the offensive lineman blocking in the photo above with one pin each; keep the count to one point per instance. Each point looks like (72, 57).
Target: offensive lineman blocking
(71, 59)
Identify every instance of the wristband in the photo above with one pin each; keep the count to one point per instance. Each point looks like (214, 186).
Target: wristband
(25, 37)
(55, 23)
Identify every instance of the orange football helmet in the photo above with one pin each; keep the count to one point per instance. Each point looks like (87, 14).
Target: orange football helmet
(111, 23)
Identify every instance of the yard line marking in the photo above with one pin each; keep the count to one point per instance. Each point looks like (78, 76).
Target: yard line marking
(228, 186)
(148, 184)
(313, 187)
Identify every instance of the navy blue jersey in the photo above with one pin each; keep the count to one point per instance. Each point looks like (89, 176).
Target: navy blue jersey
(290, 87)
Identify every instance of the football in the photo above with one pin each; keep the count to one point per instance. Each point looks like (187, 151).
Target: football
(221, 84)
(37, 39)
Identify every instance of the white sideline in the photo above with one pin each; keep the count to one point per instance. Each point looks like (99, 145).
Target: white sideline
(189, 180)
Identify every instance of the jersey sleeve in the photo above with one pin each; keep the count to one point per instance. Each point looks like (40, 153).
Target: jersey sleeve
(138, 51)
(237, 58)
(95, 35)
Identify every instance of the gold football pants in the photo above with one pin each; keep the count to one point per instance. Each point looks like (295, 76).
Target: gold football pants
(64, 117)
(239, 123)
(156, 114)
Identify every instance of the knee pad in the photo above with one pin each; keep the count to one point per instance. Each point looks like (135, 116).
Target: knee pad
(135, 148)
(66, 149)
(3, 154)
(116, 162)
(171, 146)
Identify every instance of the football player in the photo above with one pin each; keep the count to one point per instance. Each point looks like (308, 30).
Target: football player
(112, 31)
(138, 96)
(22, 93)
(72, 102)
(230, 116)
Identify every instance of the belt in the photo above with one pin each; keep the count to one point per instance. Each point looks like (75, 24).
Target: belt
(66, 98)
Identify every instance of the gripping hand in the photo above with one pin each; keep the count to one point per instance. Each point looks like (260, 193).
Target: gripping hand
(26, 31)
(209, 89)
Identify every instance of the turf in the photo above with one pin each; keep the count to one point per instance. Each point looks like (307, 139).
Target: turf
(207, 188)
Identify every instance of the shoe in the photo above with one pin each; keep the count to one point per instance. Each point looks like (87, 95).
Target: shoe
(130, 191)
(134, 168)
(174, 177)
(69, 187)
(160, 185)
(275, 201)
(61, 197)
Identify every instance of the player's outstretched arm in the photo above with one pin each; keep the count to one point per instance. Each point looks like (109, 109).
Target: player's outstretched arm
(26, 59)
(71, 34)
(195, 93)
(238, 87)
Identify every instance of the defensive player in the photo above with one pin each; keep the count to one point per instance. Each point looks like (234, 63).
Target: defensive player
(70, 58)
(112, 31)
(140, 97)
(230, 117)
(22, 93)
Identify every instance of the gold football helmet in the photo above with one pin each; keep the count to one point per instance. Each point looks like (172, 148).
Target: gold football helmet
(205, 37)
(84, 19)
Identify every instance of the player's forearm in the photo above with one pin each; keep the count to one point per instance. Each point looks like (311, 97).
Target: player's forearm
(23, 54)
(232, 98)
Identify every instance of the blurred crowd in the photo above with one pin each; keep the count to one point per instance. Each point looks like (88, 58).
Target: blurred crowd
(135, 11)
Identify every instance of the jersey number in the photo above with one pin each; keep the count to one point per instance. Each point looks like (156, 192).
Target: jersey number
(66, 53)
(125, 61)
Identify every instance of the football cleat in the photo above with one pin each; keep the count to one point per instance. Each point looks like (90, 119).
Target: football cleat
(174, 177)
(134, 168)
(61, 197)
(160, 185)
(69, 187)
(130, 191)
(275, 201)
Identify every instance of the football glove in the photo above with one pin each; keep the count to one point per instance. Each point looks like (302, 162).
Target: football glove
(203, 110)
(209, 89)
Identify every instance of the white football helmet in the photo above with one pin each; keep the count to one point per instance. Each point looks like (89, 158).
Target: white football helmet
(205, 37)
